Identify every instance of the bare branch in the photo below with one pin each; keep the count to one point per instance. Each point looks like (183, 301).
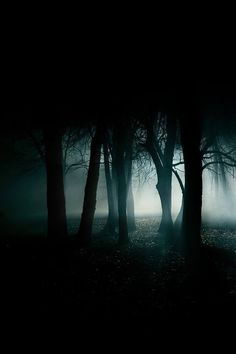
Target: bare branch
(179, 180)
(178, 163)
(218, 162)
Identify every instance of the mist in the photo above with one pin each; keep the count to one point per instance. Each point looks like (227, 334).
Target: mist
(219, 203)
(23, 197)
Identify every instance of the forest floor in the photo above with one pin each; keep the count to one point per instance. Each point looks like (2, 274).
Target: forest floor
(124, 290)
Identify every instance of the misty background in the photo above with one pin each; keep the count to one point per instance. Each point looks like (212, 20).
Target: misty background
(23, 196)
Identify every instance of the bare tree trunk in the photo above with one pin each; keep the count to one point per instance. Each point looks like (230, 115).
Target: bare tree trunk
(166, 176)
(130, 208)
(191, 229)
(119, 142)
(179, 218)
(89, 205)
(130, 196)
(164, 190)
(114, 187)
(163, 164)
(57, 225)
(111, 222)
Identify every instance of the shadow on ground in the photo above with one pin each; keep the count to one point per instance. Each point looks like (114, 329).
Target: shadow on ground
(130, 292)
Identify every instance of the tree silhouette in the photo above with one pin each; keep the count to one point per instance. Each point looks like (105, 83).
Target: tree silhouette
(129, 171)
(111, 219)
(89, 205)
(57, 225)
(119, 141)
(160, 144)
(191, 228)
(218, 158)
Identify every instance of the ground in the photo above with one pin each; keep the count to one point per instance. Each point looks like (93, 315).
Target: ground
(132, 289)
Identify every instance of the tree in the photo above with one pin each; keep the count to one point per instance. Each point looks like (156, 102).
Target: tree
(89, 205)
(57, 225)
(112, 182)
(119, 141)
(129, 169)
(160, 143)
(191, 133)
(56, 148)
(46, 142)
(218, 158)
(111, 219)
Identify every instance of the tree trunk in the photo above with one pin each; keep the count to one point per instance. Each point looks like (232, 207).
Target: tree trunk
(163, 165)
(89, 205)
(114, 186)
(130, 208)
(179, 218)
(111, 222)
(119, 142)
(165, 181)
(191, 229)
(164, 190)
(57, 225)
(130, 196)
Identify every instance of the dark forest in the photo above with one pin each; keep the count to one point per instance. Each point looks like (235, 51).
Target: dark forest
(118, 213)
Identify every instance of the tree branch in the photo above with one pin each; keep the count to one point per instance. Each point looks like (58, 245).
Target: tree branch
(36, 144)
(219, 162)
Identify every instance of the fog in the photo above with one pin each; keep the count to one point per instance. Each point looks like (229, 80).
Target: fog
(23, 196)
(219, 203)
